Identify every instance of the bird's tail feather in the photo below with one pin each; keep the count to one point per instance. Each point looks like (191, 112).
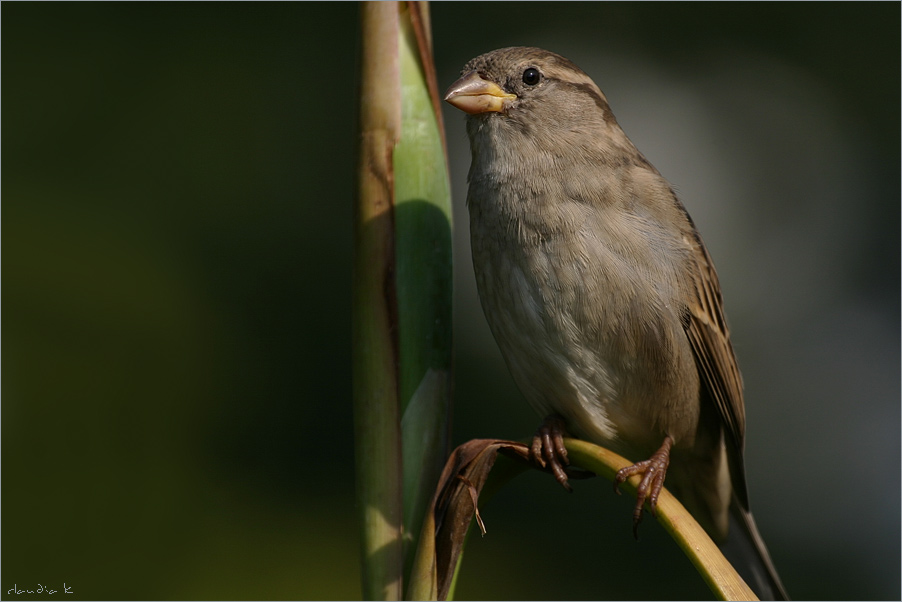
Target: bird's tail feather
(745, 549)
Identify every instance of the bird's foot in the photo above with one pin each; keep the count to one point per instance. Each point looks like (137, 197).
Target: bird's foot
(548, 450)
(653, 472)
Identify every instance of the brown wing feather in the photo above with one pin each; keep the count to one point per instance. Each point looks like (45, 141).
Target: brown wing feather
(707, 331)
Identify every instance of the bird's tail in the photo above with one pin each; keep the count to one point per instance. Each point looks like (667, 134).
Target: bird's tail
(745, 549)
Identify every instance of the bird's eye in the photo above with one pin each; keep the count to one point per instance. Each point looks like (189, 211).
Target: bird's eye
(531, 76)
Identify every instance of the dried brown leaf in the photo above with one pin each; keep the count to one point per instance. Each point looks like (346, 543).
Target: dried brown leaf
(453, 507)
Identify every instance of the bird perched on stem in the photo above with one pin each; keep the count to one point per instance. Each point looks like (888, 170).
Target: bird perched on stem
(601, 294)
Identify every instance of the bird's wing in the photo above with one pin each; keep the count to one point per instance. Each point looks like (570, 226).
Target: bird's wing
(709, 337)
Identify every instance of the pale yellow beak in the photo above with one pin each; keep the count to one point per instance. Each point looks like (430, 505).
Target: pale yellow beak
(472, 94)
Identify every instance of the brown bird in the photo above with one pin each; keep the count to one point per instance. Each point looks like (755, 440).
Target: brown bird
(601, 294)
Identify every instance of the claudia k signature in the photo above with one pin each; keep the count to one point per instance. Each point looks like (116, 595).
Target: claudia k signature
(41, 589)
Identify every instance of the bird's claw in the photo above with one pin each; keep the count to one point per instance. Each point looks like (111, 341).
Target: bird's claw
(653, 472)
(548, 451)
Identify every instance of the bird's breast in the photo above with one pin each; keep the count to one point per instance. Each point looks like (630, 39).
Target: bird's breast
(583, 330)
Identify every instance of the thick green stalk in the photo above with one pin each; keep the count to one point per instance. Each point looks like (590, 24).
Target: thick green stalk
(423, 235)
(402, 291)
(377, 415)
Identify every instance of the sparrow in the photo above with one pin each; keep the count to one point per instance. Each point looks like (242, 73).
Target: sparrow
(602, 296)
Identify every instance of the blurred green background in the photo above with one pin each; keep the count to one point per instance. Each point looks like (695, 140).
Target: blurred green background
(176, 271)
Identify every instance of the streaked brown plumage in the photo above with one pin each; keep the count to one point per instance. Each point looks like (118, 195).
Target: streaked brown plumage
(598, 288)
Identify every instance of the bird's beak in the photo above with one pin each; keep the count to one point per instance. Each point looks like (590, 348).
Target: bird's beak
(472, 94)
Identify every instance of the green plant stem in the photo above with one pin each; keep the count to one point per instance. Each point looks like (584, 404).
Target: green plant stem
(377, 417)
(716, 571)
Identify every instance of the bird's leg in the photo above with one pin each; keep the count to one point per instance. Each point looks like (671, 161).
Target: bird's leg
(653, 472)
(548, 449)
